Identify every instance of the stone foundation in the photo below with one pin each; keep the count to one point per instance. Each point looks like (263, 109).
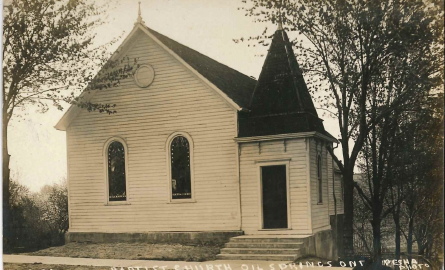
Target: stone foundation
(203, 238)
(321, 244)
(326, 244)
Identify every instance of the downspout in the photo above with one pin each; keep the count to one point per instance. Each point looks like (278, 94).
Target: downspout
(238, 162)
(239, 187)
(335, 200)
(308, 184)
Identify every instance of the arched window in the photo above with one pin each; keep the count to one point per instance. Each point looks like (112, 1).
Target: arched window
(116, 171)
(320, 181)
(180, 167)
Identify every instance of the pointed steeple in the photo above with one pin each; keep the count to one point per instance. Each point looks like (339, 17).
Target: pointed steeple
(280, 24)
(281, 87)
(280, 20)
(281, 102)
(139, 20)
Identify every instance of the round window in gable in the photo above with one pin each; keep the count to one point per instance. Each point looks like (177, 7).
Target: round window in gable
(144, 76)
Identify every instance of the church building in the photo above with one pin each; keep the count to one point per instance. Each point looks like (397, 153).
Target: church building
(201, 153)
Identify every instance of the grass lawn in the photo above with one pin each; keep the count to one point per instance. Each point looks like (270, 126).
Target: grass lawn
(29, 266)
(132, 251)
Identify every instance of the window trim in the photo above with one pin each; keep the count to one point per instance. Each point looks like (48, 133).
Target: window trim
(170, 139)
(105, 159)
(319, 179)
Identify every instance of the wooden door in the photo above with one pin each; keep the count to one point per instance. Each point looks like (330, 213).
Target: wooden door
(274, 197)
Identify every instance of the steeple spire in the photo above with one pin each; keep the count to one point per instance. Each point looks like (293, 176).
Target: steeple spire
(280, 16)
(280, 24)
(281, 102)
(139, 20)
(281, 87)
(280, 21)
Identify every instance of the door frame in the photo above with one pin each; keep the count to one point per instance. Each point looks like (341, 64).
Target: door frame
(265, 163)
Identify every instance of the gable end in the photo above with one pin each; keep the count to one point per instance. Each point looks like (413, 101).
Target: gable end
(234, 87)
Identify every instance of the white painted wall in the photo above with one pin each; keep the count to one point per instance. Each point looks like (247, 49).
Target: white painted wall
(252, 155)
(338, 194)
(176, 101)
(320, 211)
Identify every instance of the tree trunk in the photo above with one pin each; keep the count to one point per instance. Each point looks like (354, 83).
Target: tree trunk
(348, 236)
(409, 240)
(421, 248)
(398, 235)
(429, 247)
(376, 239)
(6, 194)
(421, 239)
(396, 218)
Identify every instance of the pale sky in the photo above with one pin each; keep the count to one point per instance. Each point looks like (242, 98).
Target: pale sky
(38, 151)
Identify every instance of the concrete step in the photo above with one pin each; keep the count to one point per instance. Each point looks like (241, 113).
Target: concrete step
(266, 239)
(262, 245)
(264, 251)
(261, 257)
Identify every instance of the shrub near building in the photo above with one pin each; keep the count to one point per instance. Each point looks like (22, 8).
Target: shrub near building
(38, 220)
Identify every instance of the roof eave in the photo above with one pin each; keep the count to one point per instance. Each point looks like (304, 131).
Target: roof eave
(226, 98)
(285, 136)
(73, 111)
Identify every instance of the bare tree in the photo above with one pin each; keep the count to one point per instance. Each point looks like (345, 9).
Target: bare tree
(355, 49)
(418, 178)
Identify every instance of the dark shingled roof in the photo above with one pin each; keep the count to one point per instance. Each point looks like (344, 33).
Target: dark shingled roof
(234, 84)
(281, 87)
(278, 103)
(281, 102)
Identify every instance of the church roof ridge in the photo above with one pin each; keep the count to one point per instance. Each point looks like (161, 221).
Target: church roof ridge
(235, 84)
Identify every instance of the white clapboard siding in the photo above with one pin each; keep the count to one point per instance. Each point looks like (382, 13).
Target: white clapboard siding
(177, 100)
(250, 183)
(320, 211)
(338, 194)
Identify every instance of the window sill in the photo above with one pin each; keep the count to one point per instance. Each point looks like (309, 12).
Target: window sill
(117, 203)
(319, 203)
(182, 201)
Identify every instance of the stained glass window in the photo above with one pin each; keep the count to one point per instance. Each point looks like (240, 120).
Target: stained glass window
(320, 182)
(116, 172)
(180, 168)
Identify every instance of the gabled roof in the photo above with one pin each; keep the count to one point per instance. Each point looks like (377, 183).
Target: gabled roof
(234, 84)
(229, 83)
(281, 102)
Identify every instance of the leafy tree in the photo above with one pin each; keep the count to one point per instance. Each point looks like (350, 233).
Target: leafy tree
(53, 204)
(49, 55)
(26, 228)
(365, 60)
(38, 220)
